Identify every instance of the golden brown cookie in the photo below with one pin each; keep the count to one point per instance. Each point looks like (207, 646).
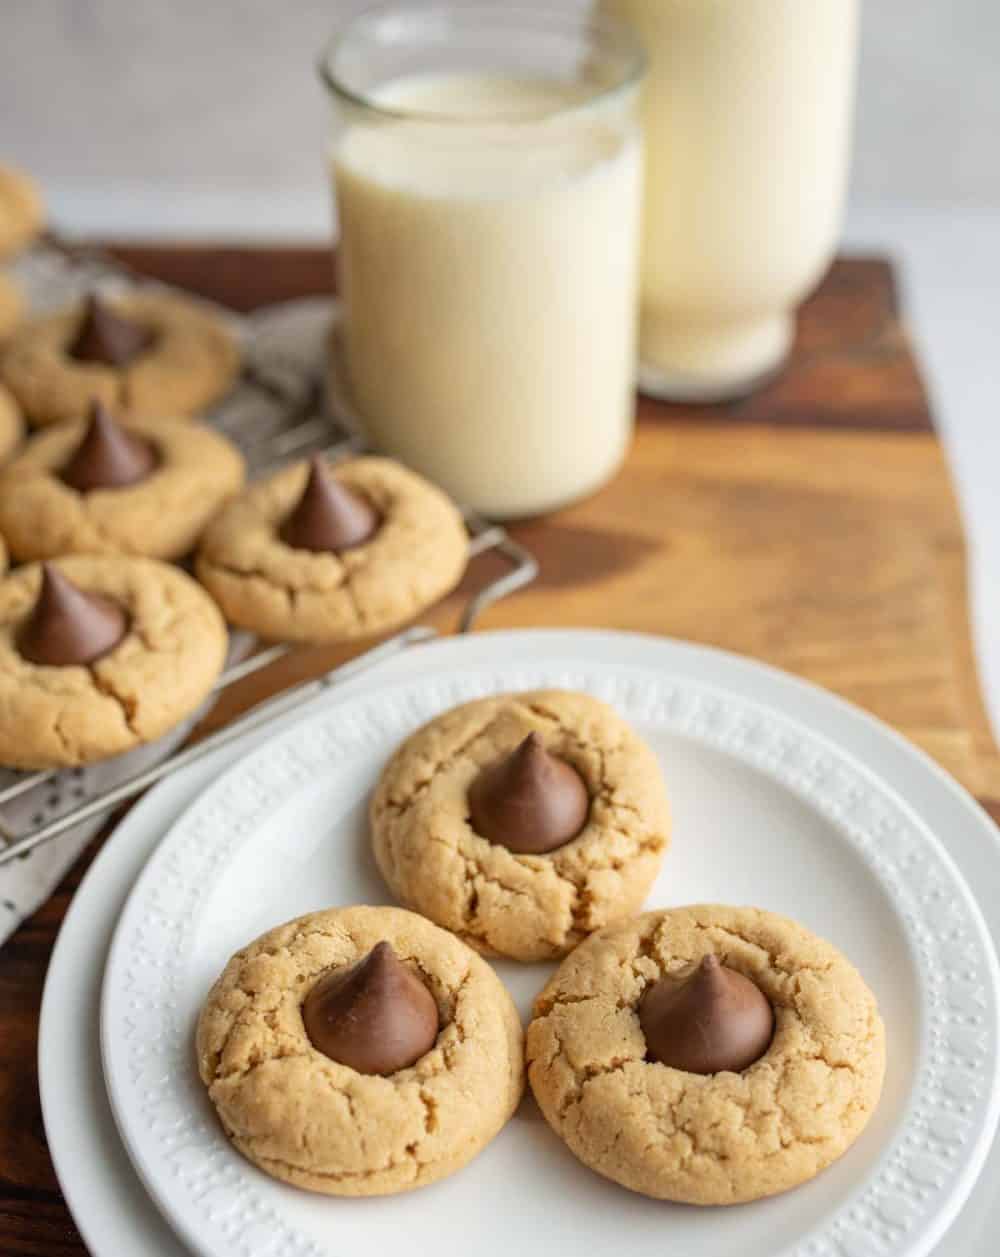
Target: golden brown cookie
(528, 907)
(190, 363)
(159, 673)
(11, 306)
(263, 584)
(311, 1121)
(714, 1139)
(161, 516)
(11, 425)
(22, 212)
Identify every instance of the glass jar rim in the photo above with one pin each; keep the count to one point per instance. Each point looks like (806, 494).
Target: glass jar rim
(556, 19)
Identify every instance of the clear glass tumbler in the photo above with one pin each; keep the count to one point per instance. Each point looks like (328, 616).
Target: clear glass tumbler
(487, 173)
(747, 111)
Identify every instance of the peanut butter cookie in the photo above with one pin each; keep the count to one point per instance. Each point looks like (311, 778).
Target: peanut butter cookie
(533, 902)
(719, 1138)
(11, 306)
(103, 655)
(11, 425)
(388, 546)
(311, 1120)
(22, 213)
(148, 354)
(159, 511)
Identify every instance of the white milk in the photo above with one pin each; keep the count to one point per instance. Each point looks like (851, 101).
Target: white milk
(489, 270)
(747, 110)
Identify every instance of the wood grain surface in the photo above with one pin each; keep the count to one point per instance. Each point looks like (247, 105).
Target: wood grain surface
(812, 526)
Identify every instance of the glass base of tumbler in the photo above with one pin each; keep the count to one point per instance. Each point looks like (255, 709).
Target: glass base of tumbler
(717, 364)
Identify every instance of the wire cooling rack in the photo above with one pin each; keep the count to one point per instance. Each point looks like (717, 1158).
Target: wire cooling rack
(277, 412)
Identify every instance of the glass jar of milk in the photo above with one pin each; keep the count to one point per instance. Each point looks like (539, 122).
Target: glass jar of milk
(747, 110)
(487, 175)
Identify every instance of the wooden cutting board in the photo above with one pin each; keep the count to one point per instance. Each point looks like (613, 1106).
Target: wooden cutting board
(812, 526)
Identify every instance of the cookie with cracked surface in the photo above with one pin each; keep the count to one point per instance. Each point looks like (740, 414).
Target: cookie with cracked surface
(162, 515)
(11, 306)
(415, 556)
(11, 425)
(311, 1121)
(22, 211)
(165, 665)
(188, 361)
(713, 1139)
(526, 906)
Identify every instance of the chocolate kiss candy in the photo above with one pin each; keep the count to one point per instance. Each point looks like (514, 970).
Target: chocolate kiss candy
(713, 1020)
(529, 802)
(106, 336)
(108, 457)
(69, 625)
(329, 515)
(376, 1016)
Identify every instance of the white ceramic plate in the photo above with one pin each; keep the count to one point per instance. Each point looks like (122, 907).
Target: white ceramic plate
(107, 1200)
(768, 811)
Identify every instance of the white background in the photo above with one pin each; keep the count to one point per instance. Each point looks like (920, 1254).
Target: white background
(205, 118)
(224, 92)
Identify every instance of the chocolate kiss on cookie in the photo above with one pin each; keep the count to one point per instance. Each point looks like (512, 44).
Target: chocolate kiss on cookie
(68, 625)
(329, 516)
(109, 456)
(108, 337)
(376, 1016)
(715, 1019)
(529, 802)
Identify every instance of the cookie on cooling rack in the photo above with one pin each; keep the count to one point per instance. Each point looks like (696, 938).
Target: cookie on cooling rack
(100, 655)
(109, 486)
(22, 212)
(522, 822)
(146, 353)
(11, 306)
(319, 553)
(360, 1051)
(710, 1055)
(11, 424)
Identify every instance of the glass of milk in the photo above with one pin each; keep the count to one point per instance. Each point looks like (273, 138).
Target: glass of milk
(488, 175)
(747, 110)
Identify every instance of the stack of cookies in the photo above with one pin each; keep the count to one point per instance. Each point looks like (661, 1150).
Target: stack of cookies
(707, 1054)
(22, 217)
(104, 644)
(21, 220)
